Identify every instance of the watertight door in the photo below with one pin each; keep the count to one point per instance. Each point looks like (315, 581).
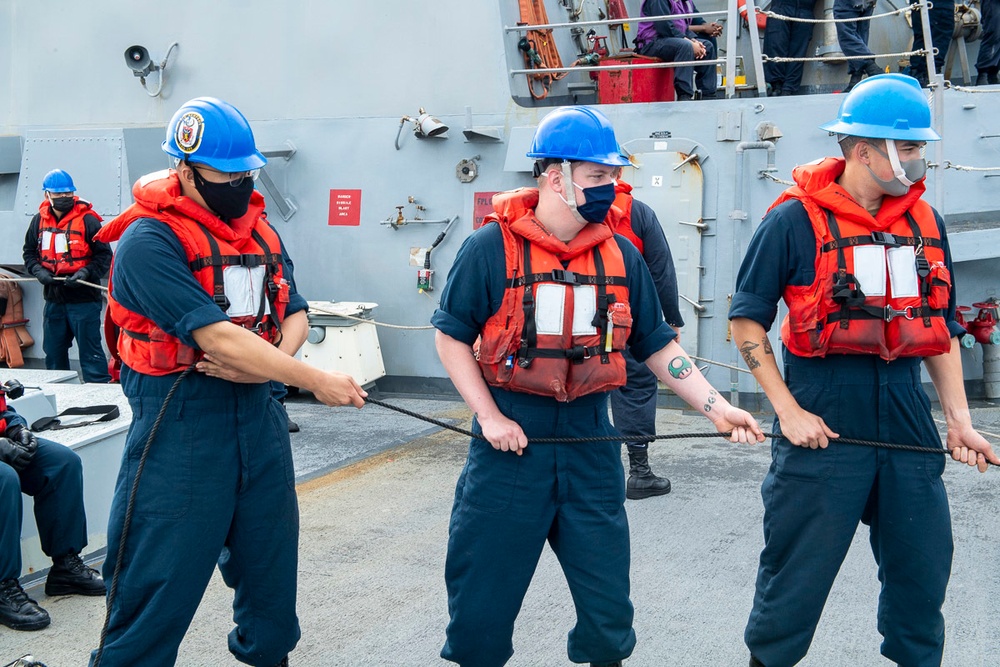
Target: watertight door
(675, 193)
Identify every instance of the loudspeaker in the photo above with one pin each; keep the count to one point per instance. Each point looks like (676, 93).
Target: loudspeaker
(138, 60)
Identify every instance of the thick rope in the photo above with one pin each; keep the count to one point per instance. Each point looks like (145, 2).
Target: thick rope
(775, 59)
(650, 438)
(772, 177)
(967, 89)
(948, 165)
(793, 19)
(35, 280)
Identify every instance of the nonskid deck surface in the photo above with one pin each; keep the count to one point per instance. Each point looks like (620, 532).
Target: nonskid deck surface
(371, 589)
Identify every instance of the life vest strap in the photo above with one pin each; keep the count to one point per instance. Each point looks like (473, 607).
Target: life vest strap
(880, 238)
(886, 314)
(566, 278)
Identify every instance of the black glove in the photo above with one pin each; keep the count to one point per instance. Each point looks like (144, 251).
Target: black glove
(72, 281)
(43, 275)
(14, 455)
(22, 436)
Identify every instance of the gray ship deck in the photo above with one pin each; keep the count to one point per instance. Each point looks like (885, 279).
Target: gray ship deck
(375, 497)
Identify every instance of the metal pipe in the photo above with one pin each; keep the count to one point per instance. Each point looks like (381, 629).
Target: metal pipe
(739, 214)
(925, 24)
(661, 65)
(644, 19)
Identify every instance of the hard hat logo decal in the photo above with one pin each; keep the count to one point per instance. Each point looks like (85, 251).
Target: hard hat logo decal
(189, 130)
(679, 367)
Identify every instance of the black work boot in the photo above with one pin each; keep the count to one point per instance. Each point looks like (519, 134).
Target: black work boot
(981, 79)
(992, 77)
(69, 576)
(871, 69)
(642, 483)
(855, 80)
(616, 663)
(283, 663)
(17, 610)
(754, 662)
(25, 661)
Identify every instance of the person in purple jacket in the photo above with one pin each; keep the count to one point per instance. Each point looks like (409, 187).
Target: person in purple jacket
(680, 40)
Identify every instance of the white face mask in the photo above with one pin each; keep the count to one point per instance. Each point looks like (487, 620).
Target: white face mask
(906, 173)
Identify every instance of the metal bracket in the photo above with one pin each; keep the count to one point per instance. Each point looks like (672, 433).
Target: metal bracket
(286, 207)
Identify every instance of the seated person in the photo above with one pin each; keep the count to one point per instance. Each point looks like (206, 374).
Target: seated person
(678, 41)
(53, 475)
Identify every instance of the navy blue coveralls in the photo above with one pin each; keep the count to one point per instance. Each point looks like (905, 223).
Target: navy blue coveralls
(571, 495)
(218, 486)
(671, 45)
(73, 311)
(633, 406)
(942, 18)
(853, 36)
(54, 478)
(988, 60)
(814, 499)
(787, 39)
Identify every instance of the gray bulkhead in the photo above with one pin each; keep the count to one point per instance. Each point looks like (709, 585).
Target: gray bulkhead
(325, 86)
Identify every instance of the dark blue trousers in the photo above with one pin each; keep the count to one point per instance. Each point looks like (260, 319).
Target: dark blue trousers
(54, 478)
(989, 47)
(815, 499)
(678, 49)
(65, 321)
(942, 17)
(508, 506)
(853, 36)
(787, 39)
(218, 487)
(633, 406)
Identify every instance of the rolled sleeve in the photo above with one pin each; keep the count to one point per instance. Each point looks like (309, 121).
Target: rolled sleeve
(475, 286)
(151, 277)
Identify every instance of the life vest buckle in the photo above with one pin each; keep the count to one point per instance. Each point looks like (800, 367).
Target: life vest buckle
(885, 238)
(578, 353)
(563, 276)
(250, 261)
(891, 313)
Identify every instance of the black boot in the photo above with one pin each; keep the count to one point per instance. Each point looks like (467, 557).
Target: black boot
(871, 69)
(25, 661)
(616, 663)
(642, 483)
(754, 662)
(855, 80)
(283, 663)
(981, 79)
(17, 610)
(69, 576)
(992, 77)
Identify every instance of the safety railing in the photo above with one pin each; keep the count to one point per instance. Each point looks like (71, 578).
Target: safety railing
(728, 63)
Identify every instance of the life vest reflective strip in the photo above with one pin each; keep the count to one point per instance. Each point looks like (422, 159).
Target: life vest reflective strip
(72, 226)
(517, 355)
(834, 315)
(622, 224)
(146, 348)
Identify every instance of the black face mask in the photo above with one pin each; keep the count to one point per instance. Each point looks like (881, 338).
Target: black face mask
(226, 201)
(62, 204)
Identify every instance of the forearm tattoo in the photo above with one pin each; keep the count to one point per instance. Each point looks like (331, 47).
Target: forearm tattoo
(767, 346)
(746, 349)
(710, 401)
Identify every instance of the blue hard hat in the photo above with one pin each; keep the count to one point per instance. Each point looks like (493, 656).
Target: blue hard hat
(885, 106)
(212, 132)
(58, 180)
(577, 133)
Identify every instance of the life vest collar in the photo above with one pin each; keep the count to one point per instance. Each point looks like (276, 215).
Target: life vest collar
(515, 211)
(160, 192)
(816, 183)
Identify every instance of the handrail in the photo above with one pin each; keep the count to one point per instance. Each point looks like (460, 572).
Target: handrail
(592, 68)
(643, 19)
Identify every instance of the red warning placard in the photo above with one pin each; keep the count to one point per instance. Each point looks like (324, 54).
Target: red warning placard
(482, 207)
(345, 208)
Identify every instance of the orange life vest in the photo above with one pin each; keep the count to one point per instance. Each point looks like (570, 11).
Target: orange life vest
(560, 330)
(622, 224)
(882, 286)
(211, 247)
(62, 243)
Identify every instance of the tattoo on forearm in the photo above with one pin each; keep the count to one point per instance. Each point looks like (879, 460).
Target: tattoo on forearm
(767, 346)
(680, 367)
(746, 349)
(710, 401)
